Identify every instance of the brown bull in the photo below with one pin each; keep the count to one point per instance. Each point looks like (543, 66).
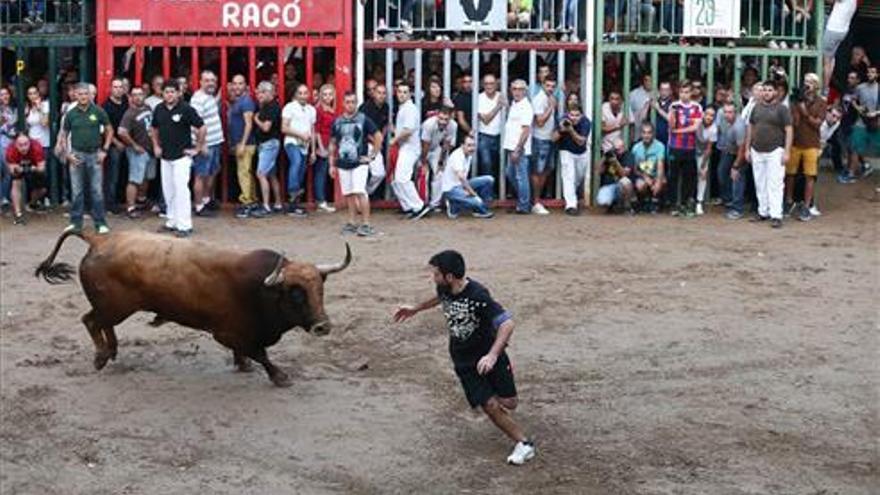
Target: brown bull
(246, 300)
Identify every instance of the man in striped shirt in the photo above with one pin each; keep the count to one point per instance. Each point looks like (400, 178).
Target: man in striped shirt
(207, 164)
(684, 120)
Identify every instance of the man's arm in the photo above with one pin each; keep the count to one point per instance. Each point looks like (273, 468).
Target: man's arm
(287, 131)
(487, 362)
(331, 155)
(486, 118)
(248, 127)
(542, 119)
(157, 148)
(404, 313)
(462, 122)
(789, 137)
(747, 145)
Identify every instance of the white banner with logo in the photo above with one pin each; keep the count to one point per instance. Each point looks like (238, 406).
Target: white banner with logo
(712, 18)
(476, 15)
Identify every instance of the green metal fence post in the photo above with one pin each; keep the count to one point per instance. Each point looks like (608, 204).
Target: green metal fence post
(54, 189)
(624, 92)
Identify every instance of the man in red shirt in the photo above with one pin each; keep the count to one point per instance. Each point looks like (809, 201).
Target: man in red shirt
(25, 161)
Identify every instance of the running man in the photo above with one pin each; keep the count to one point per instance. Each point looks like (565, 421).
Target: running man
(479, 330)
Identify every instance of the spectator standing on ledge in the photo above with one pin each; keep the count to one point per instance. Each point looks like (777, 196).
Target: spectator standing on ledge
(115, 106)
(768, 146)
(240, 124)
(806, 116)
(205, 164)
(490, 109)
(173, 123)
(685, 117)
(518, 145)
(267, 133)
(544, 105)
(298, 126)
(407, 139)
(134, 131)
(83, 126)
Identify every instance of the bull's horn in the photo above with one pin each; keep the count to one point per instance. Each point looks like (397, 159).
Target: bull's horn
(275, 277)
(336, 267)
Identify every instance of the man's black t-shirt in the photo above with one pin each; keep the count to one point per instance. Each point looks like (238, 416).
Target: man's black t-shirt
(269, 112)
(473, 318)
(115, 111)
(379, 115)
(175, 128)
(463, 103)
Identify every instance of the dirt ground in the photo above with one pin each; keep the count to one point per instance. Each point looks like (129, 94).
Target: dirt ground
(653, 355)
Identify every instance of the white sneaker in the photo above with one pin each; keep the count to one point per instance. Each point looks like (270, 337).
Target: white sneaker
(539, 209)
(700, 209)
(323, 206)
(815, 211)
(522, 452)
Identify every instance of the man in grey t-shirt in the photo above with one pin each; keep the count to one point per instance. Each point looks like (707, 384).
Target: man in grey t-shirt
(768, 146)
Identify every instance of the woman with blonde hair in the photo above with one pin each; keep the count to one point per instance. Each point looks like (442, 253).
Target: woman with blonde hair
(326, 114)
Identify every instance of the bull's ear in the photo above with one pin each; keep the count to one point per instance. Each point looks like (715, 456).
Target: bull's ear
(276, 276)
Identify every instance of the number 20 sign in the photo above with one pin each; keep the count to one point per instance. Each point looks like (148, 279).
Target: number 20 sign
(712, 18)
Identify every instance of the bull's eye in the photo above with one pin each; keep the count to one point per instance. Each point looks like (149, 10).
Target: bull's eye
(298, 295)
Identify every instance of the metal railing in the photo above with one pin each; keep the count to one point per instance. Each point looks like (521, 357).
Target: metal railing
(556, 20)
(773, 23)
(24, 17)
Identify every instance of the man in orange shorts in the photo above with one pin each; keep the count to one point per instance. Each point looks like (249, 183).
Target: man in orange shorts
(807, 115)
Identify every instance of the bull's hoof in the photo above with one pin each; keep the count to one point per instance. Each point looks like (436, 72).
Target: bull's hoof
(244, 367)
(281, 380)
(101, 359)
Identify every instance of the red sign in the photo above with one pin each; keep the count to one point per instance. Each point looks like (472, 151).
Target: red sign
(314, 16)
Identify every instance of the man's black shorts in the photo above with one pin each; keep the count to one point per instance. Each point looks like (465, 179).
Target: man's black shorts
(480, 388)
(33, 180)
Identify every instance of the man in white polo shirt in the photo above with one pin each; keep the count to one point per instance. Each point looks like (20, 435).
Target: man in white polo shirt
(207, 163)
(518, 145)
(298, 126)
(490, 109)
(406, 137)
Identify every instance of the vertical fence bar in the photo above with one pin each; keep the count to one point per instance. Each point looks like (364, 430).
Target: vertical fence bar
(764, 67)
(624, 91)
(560, 111)
(505, 93)
(655, 78)
(710, 78)
(682, 66)
(390, 98)
(819, 20)
(52, 164)
(138, 65)
(533, 68)
(418, 81)
(447, 73)
(737, 81)
(475, 101)
(224, 76)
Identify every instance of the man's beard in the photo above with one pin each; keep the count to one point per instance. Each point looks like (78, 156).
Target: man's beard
(444, 289)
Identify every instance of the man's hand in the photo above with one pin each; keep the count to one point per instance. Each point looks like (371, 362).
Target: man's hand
(404, 313)
(74, 160)
(486, 363)
(333, 171)
(734, 174)
(101, 156)
(786, 155)
(748, 155)
(15, 169)
(239, 150)
(514, 156)
(138, 149)
(191, 152)
(157, 151)
(202, 151)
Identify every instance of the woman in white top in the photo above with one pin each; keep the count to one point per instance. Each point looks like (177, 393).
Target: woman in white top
(37, 118)
(707, 136)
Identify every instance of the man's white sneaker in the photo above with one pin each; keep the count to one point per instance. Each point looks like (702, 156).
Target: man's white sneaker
(539, 209)
(323, 206)
(522, 452)
(815, 211)
(700, 209)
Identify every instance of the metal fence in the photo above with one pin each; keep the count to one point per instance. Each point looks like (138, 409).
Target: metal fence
(557, 20)
(43, 16)
(773, 23)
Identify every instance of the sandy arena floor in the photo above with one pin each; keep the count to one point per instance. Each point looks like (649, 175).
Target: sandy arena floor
(653, 356)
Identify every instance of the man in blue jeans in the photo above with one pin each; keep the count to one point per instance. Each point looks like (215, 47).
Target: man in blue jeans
(731, 144)
(489, 112)
(298, 126)
(462, 193)
(116, 105)
(518, 145)
(83, 126)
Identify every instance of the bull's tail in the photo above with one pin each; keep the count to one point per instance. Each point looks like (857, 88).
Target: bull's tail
(57, 273)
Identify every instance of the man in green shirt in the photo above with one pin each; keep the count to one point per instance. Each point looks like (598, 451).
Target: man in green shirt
(90, 136)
